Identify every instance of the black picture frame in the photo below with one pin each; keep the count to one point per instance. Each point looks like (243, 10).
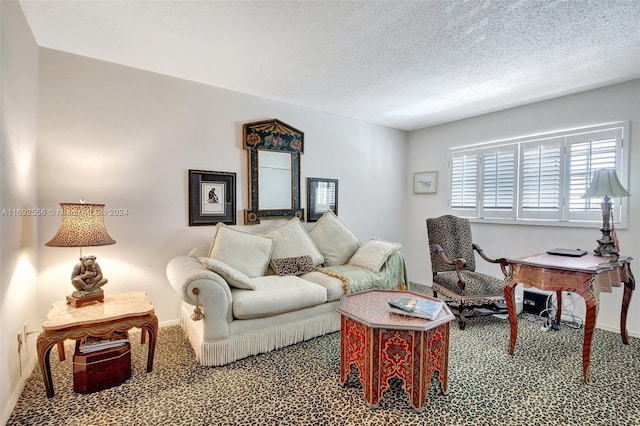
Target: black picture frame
(322, 195)
(208, 207)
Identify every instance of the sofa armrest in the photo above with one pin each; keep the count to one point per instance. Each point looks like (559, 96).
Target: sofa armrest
(186, 273)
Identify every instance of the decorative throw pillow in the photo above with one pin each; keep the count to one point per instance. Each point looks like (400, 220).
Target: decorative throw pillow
(334, 240)
(292, 265)
(248, 253)
(232, 276)
(292, 240)
(213, 239)
(373, 254)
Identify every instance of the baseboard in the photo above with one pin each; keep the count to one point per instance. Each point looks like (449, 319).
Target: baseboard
(617, 330)
(17, 391)
(422, 283)
(169, 323)
(420, 287)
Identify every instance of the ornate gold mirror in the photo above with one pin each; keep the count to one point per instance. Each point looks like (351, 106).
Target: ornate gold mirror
(274, 150)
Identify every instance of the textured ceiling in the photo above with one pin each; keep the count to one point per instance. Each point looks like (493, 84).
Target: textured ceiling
(403, 64)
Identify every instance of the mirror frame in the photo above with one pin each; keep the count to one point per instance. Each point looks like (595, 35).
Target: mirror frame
(257, 136)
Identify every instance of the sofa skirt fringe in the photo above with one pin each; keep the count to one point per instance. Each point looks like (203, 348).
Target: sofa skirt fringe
(256, 342)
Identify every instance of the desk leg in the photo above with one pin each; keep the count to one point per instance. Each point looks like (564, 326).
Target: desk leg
(511, 309)
(44, 346)
(629, 286)
(591, 302)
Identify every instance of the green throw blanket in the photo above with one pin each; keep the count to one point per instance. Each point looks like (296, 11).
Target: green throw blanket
(392, 275)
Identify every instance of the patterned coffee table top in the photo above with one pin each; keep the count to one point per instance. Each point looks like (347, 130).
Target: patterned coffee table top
(372, 309)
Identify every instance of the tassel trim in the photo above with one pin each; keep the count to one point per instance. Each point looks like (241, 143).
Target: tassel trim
(258, 341)
(345, 280)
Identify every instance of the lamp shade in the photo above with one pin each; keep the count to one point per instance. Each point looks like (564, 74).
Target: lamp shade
(605, 182)
(82, 226)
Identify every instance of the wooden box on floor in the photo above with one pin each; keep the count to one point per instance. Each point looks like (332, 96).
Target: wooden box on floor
(102, 369)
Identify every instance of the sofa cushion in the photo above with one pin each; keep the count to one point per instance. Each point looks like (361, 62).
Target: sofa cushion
(248, 253)
(334, 240)
(276, 295)
(292, 240)
(333, 285)
(232, 276)
(373, 254)
(292, 265)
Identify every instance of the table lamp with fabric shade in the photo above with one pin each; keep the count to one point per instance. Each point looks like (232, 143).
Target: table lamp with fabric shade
(605, 184)
(83, 225)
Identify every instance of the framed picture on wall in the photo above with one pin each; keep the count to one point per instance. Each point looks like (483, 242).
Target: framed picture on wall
(425, 182)
(212, 198)
(322, 195)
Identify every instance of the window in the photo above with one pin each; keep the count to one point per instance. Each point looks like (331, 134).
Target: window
(539, 178)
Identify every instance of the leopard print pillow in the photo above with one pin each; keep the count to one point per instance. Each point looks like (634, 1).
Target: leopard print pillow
(292, 265)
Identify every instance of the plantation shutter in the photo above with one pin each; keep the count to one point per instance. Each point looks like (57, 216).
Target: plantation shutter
(464, 184)
(499, 182)
(541, 179)
(586, 153)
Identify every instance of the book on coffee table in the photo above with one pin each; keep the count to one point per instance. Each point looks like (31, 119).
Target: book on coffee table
(419, 308)
(92, 344)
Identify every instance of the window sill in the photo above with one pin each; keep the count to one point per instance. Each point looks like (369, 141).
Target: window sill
(541, 222)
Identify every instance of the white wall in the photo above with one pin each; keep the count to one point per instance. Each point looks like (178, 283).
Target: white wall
(125, 137)
(429, 150)
(18, 276)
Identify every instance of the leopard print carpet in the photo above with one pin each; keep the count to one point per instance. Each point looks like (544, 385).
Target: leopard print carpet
(541, 384)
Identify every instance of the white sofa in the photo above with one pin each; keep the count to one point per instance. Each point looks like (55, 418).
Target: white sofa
(260, 292)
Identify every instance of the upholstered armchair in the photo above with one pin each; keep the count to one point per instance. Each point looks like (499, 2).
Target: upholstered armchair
(455, 280)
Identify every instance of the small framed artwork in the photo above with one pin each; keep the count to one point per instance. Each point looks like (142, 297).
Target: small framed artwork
(322, 195)
(212, 198)
(425, 183)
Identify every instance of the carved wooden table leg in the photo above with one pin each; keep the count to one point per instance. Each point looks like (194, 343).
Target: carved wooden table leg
(370, 373)
(44, 345)
(591, 303)
(629, 286)
(61, 355)
(558, 306)
(511, 310)
(344, 355)
(152, 330)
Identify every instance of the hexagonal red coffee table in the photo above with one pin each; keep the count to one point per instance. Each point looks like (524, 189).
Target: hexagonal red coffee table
(382, 345)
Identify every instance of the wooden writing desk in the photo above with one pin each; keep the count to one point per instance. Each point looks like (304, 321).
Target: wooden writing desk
(587, 276)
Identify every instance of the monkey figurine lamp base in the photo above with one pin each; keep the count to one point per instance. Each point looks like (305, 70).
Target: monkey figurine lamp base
(76, 302)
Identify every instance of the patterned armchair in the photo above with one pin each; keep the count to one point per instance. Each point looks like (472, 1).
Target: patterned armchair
(455, 280)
